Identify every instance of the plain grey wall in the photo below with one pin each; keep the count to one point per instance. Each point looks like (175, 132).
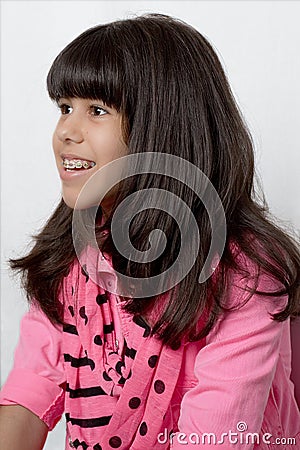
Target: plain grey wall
(258, 42)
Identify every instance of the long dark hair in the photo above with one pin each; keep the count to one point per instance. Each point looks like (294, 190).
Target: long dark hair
(167, 82)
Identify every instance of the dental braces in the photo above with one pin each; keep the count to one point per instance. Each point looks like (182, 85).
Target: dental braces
(77, 164)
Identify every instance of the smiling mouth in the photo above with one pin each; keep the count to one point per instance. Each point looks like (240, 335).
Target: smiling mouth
(77, 164)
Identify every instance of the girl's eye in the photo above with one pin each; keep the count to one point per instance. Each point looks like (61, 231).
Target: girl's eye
(97, 111)
(65, 109)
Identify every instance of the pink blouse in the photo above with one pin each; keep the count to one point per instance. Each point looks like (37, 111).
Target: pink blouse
(230, 389)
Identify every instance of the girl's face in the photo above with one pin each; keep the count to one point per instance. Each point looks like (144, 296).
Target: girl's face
(88, 135)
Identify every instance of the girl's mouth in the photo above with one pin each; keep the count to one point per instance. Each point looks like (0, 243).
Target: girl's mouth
(71, 165)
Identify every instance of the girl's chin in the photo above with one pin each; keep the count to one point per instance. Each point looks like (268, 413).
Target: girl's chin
(88, 197)
(78, 204)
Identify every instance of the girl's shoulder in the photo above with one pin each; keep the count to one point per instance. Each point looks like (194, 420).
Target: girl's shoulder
(248, 280)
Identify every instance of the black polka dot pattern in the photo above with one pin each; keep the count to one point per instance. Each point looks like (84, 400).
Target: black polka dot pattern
(115, 442)
(159, 386)
(143, 429)
(134, 402)
(108, 328)
(176, 345)
(83, 315)
(98, 340)
(114, 360)
(101, 299)
(152, 361)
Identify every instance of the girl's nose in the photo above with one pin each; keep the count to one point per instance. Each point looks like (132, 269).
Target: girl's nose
(69, 129)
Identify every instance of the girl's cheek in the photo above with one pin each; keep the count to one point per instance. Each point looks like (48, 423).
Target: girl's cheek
(55, 142)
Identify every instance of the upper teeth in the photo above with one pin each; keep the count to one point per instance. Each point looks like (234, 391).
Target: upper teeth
(77, 164)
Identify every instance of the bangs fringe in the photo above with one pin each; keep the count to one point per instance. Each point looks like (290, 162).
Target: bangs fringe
(88, 67)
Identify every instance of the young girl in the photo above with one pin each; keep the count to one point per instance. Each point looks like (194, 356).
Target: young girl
(187, 360)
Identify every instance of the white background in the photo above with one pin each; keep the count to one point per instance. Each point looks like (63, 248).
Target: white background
(258, 43)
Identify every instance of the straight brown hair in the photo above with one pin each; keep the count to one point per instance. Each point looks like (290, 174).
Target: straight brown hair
(168, 83)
